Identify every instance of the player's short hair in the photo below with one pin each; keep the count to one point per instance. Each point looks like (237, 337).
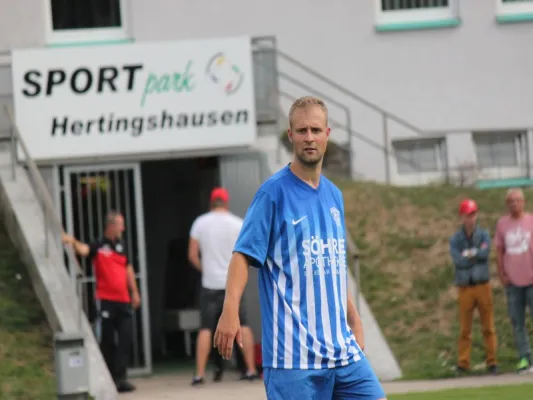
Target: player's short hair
(307, 101)
(512, 191)
(111, 217)
(216, 203)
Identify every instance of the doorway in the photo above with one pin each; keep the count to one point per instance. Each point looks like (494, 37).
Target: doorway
(175, 192)
(90, 192)
(160, 200)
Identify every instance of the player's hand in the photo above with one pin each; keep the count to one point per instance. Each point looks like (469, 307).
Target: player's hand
(135, 300)
(504, 279)
(67, 239)
(228, 330)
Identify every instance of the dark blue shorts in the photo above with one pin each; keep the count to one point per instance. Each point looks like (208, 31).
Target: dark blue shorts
(354, 381)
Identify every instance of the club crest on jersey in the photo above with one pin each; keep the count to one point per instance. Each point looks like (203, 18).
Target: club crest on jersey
(105, 250)
(336, 216)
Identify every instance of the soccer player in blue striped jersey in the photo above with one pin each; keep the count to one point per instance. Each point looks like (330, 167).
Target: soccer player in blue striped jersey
(294, 232)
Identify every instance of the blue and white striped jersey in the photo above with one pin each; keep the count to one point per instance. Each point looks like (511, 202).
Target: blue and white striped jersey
(296, 235)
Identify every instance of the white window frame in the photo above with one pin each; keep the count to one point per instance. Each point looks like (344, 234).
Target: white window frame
(416, 15)
(439, 148)
(518, 8)
(87, 35)
(519, 140)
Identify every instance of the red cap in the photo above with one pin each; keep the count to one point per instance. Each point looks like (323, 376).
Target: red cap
(467, 206)
(220, 194)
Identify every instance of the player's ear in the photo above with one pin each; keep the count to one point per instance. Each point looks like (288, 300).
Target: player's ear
(289, 135)
(328, 131)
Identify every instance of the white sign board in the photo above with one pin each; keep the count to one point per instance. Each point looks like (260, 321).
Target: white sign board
(135, 98)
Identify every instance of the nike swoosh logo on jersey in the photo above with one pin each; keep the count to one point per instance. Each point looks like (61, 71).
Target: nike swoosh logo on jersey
(296, 222)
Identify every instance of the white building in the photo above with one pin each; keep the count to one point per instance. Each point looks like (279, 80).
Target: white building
(421, 91)
(459, 71)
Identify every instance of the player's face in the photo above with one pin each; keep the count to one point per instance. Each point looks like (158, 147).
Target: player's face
(118, 226)
(309, 135)
(469, 220)
(515, 203)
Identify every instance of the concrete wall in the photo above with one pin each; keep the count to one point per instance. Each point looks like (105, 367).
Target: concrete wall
(474, 76)
(442, 79)
(22, 24)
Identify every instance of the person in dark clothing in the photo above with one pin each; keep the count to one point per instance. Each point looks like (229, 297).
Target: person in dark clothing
(115, 279)
(470, 249)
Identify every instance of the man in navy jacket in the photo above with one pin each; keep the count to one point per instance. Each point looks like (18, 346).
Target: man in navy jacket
(470, 249)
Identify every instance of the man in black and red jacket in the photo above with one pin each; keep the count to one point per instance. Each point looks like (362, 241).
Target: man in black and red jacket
(115, 279)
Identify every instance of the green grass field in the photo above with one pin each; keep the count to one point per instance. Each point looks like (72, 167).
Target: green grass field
(516, 392)
(26, 371)
(407, 274)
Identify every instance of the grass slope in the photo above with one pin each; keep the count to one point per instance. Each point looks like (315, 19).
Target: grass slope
(407, 274)
(26, 355)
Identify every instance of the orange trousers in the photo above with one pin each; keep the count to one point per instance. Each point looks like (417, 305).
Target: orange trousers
(470, 298)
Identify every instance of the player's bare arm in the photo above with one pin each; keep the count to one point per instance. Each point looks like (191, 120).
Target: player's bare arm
(229, 327)
(81, 249)
(500, 252)
(132, 284)
(354, 320)
(194, 254)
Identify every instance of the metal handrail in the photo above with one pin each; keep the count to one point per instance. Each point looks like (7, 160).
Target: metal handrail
(346, 128)
(51, 218)
(385, 115)
(351, 94)
(440, 132)
(341, 88)
(258, 42)
(362, 137)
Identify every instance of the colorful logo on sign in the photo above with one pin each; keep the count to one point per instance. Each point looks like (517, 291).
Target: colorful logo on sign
(222, 72)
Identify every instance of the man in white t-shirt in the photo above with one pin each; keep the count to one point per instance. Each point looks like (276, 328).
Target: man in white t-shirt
(213, 236)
